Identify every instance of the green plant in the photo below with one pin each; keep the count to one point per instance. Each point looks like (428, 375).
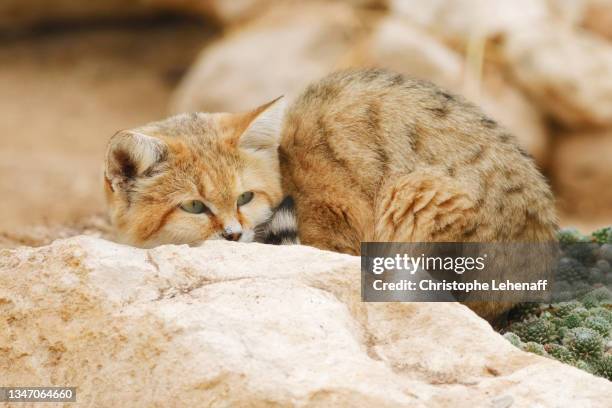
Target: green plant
(583, 365)
(571, 270)
(560, 352)
(603, 367)
(513, 339)
(563, 309)
(596, 296)
(599, 324)
(578, 330)
(586, 344)
(575, 318)
(568, 236)
(602, 312)
(603, 235)
(539, 330)
(535, 348)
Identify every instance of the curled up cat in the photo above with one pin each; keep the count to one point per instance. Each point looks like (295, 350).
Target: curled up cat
(366, 155)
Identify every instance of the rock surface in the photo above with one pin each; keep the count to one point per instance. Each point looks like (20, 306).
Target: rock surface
(597, 17)
(534, 58)
(277, 54)
(582, 169)
(462, 21)
(231, 324)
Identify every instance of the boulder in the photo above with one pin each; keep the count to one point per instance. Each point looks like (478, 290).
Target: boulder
(561, 67)
(277, 54)
(462, 21)
(581, 170)
(231, 324)
(565, 71)
(597, 17)
(400, 46)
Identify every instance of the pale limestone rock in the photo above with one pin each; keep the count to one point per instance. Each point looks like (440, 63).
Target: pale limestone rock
(231, 324)
(402, 47)
(566, 72)
(597, 17)
(277, 54)
(582, 173)
(461, 21)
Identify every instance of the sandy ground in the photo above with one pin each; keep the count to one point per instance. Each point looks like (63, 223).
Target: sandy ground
(62, 95)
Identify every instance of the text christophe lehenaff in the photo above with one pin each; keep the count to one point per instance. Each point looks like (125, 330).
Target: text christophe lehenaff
(441, 272)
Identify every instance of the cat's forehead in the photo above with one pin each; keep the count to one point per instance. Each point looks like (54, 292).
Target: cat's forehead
(211, 173)
(191, 127)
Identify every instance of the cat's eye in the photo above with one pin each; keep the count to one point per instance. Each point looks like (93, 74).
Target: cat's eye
(244, 198)
(194, 207)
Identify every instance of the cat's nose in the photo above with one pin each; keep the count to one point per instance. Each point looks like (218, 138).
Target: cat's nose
(232, 230)
(231, 236)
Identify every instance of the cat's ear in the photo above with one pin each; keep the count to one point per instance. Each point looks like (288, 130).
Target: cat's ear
(261, 127)
(131, 155)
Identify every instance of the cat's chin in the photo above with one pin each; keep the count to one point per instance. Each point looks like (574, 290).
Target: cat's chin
(247, 236)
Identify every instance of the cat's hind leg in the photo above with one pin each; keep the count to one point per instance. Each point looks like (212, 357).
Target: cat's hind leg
(423, 206)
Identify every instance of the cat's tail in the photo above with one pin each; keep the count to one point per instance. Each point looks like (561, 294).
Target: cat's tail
(282, 227)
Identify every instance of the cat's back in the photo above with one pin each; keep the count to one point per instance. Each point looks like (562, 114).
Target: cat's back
(386, 122)
(412, 120)
(354, 120)
(362, 128)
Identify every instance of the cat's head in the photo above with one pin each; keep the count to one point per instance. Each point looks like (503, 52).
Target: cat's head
(195, 177)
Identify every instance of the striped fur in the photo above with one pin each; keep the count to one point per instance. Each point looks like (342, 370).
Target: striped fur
(281, 228)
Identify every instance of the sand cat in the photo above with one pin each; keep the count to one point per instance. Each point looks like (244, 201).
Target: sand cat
(367, 155)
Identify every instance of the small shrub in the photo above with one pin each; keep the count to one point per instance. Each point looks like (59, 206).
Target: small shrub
(576, 330)
(586, 344)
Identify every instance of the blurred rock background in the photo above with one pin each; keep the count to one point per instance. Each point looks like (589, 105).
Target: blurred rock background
(73, 72)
